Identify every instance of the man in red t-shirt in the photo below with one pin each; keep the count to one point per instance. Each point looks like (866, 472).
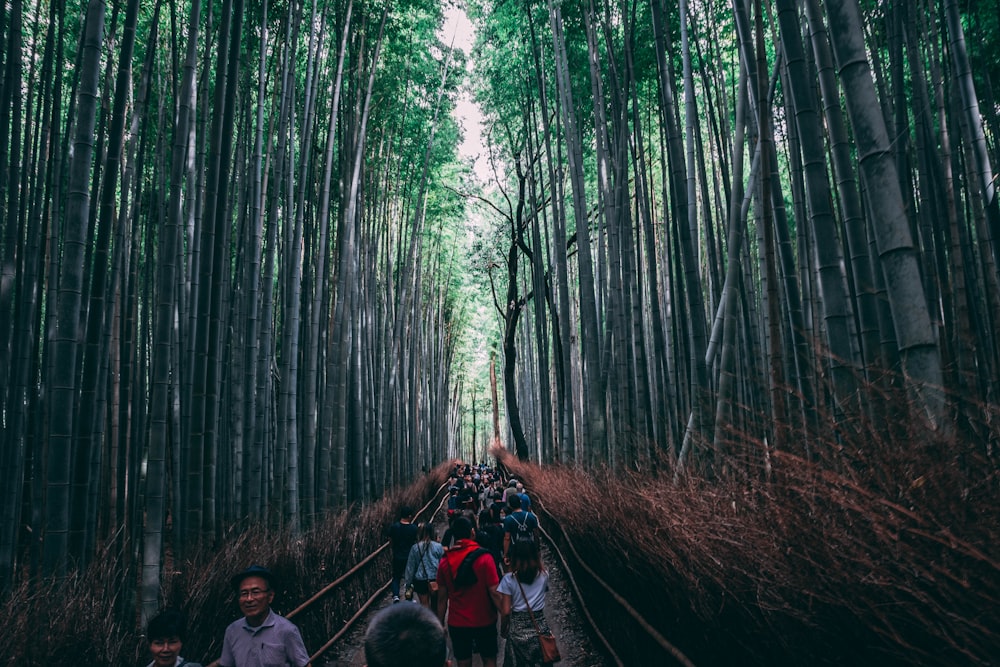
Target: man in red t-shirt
(467, 593)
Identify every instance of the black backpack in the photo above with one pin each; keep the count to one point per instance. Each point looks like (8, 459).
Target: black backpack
(466, 576)
(524, 532)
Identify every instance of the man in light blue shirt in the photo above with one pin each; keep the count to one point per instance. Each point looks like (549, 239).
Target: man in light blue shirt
(261, 638)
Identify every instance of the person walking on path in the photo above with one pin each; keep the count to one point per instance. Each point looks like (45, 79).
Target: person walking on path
(402, 535)
(491, 531)
(519, 526)
(405, 634)
(422, 565)
(521, 589)
(510, 490)
(525, 498)
(467, 597)
(261, 638)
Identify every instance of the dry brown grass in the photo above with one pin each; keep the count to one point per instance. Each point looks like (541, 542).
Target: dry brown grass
(876, 550)
(91, 618)
(873, 552)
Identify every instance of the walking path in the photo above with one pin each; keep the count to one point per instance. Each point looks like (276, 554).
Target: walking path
(561, 612)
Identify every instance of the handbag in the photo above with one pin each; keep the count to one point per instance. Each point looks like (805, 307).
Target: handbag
(550, 651)
(432, 584)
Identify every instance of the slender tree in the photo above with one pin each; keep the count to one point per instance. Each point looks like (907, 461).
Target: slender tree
(65, 344)
(897, 254)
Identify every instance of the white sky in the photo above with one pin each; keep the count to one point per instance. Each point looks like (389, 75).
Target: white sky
(458, 27)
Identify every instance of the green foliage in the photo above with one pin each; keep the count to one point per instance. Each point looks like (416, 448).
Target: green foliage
(982, 38)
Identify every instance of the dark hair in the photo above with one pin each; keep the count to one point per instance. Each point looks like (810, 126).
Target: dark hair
(426, 531)
(168, 623)
(514, 501)
(525, 560)
(461, 528)
(252, 571)
(405, 512)
(405, 634)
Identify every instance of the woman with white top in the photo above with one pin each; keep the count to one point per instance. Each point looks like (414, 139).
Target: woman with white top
(522, 588)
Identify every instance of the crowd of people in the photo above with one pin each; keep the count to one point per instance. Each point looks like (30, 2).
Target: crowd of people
(483, 580)
(488, 580)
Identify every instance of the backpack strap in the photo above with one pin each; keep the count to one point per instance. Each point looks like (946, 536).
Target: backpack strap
(466, 576)
(471, 557)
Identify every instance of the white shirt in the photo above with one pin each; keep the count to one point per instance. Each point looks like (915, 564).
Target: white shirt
(535, 592)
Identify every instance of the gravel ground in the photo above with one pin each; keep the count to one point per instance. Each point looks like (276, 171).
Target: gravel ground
(568, 624)
(561, 612)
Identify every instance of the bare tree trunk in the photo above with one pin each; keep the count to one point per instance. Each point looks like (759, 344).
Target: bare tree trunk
(899, 263)
(19, 339)
(346, 277)
(727, 319)
(562, 336)
(844, 367)
(776, 376)
(541, 287)
(699, 428)
(90, 427)
(164, 338)
(510, 312)
(973, 123)
(497, 441)
(594, 418)
(10, 159)
(65, 344)
(852, 212)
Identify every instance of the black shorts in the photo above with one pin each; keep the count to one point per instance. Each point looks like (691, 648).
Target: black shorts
(421, 586)
(484, 639)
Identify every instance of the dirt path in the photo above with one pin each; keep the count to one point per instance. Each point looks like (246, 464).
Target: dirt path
(561, 612)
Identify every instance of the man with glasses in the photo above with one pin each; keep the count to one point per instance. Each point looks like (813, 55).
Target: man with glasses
(261, 638)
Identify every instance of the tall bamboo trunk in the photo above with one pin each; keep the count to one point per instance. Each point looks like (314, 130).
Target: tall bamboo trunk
(897, 254)
(594, 416)
(699, 429)
(65, 344)
(974, 124)
(164, 356)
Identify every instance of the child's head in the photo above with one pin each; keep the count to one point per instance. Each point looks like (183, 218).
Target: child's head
(165, 635)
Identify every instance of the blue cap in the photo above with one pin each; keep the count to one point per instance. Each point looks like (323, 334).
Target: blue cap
(252, 571)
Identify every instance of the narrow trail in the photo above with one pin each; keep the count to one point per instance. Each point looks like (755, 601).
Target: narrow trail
(594, 624)
(561, 611)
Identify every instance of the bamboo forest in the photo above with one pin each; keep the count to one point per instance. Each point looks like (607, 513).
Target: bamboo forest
(266, 263)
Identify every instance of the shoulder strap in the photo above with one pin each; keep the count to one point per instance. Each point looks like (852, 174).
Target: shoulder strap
(466, 576)
(423, 556)
(474, 555)
(526, 603)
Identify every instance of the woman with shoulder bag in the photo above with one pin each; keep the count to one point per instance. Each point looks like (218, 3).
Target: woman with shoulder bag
(522, 609)
(422, 565)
